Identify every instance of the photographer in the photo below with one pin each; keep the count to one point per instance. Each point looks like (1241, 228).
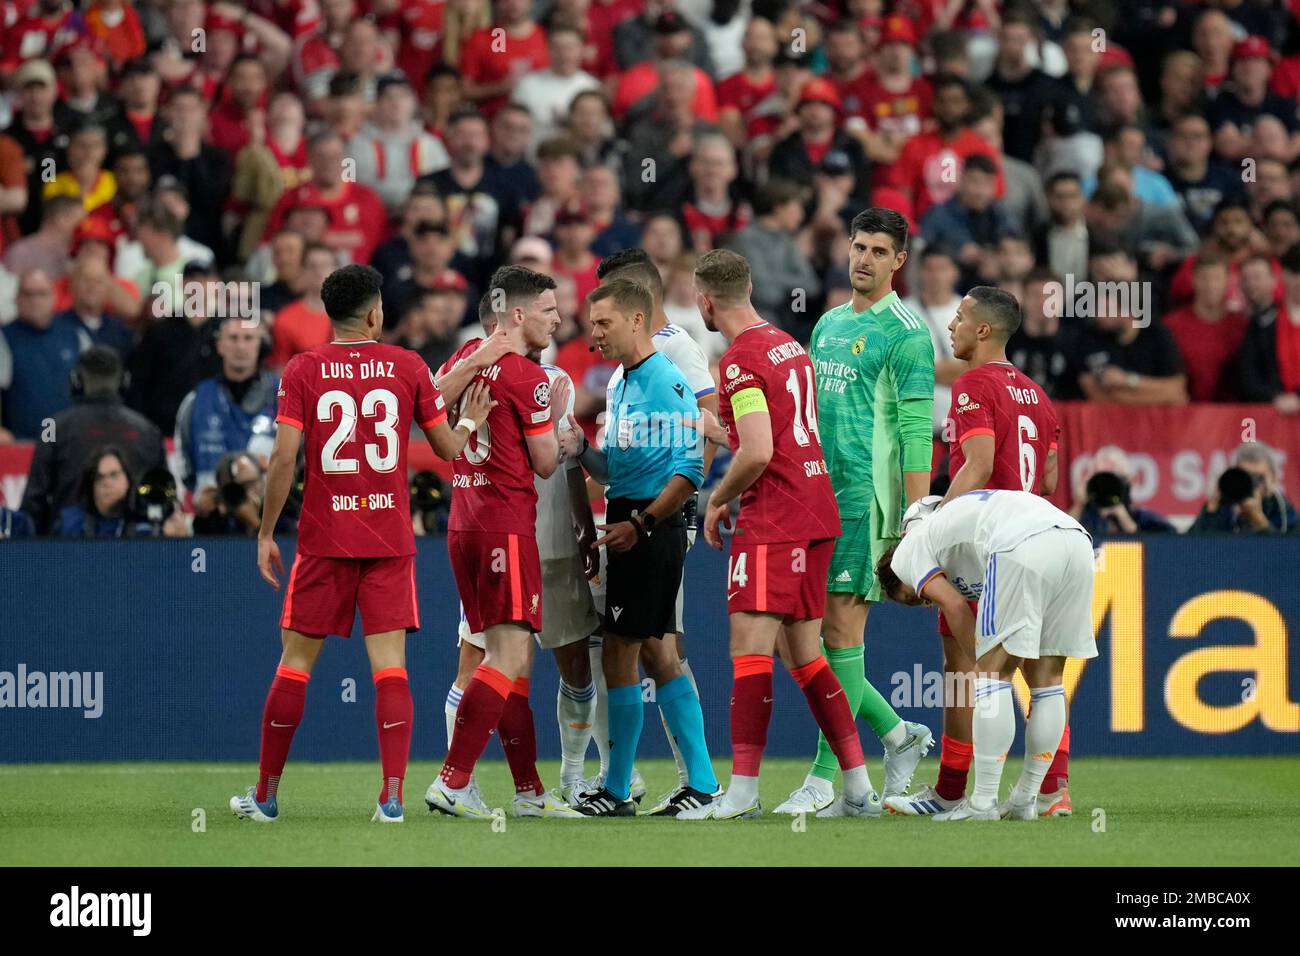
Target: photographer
(234, 504)
(429, 504)
(1248, 499)
(96, 418)
(1104, 505)
(104, 505)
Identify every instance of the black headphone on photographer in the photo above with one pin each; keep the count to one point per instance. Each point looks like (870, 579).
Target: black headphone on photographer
(99, 374)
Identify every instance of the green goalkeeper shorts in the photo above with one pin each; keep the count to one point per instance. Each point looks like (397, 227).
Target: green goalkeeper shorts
(853, 565)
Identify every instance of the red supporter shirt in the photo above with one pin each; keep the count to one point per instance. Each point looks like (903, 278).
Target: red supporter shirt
(40, 38)
(1208, 348)
(640, 81)
(929, 167)
(902, 113)
(355, 403)
(492, 479)
(759, 104)
(705, 230)
(998, 399)
(357, 218)
(482, 63)
(793, 498)
(421, 30)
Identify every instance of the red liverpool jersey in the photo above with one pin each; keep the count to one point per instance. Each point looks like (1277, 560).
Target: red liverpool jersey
(998, 399)
(492, 479)
(355, 403)
(792, 499)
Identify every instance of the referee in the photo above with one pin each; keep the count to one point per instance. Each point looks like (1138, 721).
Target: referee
(652, 463)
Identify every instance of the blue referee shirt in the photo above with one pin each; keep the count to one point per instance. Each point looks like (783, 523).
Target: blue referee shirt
(646, 440)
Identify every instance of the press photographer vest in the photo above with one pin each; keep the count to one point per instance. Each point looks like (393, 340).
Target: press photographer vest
(219, 424)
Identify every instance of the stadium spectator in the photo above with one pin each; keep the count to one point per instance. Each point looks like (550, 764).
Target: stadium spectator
(393, 257)
(848, 67)
(1159, 236)
(749, 108)
(1024, 199)
(1182, 93)
(1213, 39)
(356, 215)
(547, 93)
(36, 131)
(240, 106)
(1234, 238)
(558, 171)
(1241, 103)
(83, 77)
(663, 240)
(573, 256)
(1281, 223)
(599, 193)
(431, 324)
(1271, 182)
(133, 259)
(166, 253)
(511, 134)
(115, 25)
(287, 249)
(972, 221)
(175, 352)
(786, 286)
(661, 139)
(303, 324)
(431, 257)
(97, 417)
(928, 167)
(1119, 356)
(712, 209)
(102, 507)
(495, 58)
(233, 504)
(1125, 147)
(1207, 333)
(44, 352)
(480, 201)
(590, 126)
(1024, 90)
(1108, 509)
(140, 88)
(1200, 181)
(47, 248)
(1035, 348)
(635, 38)
(203, 170)
(1268, 364)
(115, 220)
(1119, 96)
(797, 157)
(634, 91)
(224, 412)
(391, 151)
(936, 303)
(894, 101)
(1083, 60)
(91, 286)
(1247, 498)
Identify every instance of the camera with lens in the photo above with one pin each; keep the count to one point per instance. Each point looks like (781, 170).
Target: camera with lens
(1237, 484)
(155, 497)
(429, 499)
(1105, 490)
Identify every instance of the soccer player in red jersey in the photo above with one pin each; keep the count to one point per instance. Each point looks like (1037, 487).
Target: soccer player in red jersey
(491, 536)
(775, 581)
(349, 406)
(1004, 434)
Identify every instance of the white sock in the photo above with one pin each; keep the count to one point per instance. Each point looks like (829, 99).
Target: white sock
(824, 787)
(686, 669)
(600, 722)
(741, 792)
(1043, 732)
(994, 730)
(574, 710)
(896, 735)
(857, 784)
(449, 711)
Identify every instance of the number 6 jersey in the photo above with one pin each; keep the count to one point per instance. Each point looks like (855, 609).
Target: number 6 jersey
(792, 500)
(999, 400)
(354, 403)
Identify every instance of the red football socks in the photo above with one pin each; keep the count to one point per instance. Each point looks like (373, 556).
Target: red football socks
(479, 712)
(826, 699)
(394, 714)
(280, 718)
(751, 711)
(519, 738)
(1058, 774)
(954, 767)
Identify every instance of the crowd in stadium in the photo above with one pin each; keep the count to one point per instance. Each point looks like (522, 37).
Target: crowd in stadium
(154, 148)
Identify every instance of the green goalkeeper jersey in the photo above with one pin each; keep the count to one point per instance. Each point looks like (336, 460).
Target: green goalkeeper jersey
(875, 392)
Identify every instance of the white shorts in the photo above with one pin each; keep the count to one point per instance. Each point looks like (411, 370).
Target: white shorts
(568, 610)
(1037, 598)
(598, 588)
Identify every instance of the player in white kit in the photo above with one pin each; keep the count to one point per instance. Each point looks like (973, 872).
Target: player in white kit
(684, 352)
(1030, 567)
(568, 610)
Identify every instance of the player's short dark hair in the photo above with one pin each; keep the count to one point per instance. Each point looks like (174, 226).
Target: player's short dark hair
(348, 293)
(890, 583)
(724, 274)
(518, 285)
(100, 370)
(880, 219)
(999, 308)
(634, 264)
(627, 295)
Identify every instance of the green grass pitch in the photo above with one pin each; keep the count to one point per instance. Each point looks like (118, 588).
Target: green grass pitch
(1128, 812)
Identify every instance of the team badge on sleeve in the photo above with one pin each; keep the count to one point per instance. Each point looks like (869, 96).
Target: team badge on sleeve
(542, 394)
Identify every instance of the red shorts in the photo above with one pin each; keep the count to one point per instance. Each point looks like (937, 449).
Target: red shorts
(324, 594)
(787, 578)
(499, 577)
(943, 621)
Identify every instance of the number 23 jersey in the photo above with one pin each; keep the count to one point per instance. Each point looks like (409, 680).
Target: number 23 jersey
(355, 403)
(999, 400)
(792, 500)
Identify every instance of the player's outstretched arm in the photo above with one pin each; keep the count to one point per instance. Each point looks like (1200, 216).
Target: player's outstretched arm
(709, 403)
(279, 479)
(446, 440)
(574, 444)
(754, 432)
(454, 381)
(976, 470)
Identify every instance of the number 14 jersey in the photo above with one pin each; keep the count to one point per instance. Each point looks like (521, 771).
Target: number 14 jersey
(792, 500)
(354, 403)
(999, 400)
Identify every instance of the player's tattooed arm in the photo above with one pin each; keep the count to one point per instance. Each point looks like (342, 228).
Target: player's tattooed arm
(279, 479)
(455, 380)
(448, 440)
(1050, 474)
(961, 619)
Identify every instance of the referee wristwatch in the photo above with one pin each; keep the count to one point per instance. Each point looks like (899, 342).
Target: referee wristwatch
(647, 522)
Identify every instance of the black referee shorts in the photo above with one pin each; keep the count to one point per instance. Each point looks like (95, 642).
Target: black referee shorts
(641, 583)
